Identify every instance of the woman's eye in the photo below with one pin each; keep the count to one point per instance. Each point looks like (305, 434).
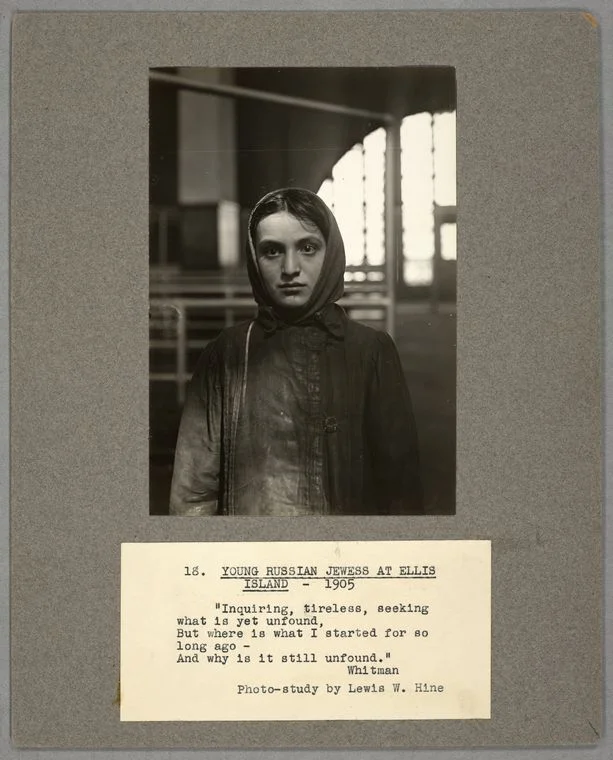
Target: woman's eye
(272, 252)
(309, 248)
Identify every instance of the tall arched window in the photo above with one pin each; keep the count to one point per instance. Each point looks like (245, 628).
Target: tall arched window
(355, 193)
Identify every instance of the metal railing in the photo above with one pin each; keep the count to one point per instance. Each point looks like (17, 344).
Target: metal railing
(179, 308)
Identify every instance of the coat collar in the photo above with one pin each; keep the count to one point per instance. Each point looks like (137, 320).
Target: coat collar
(331, 318)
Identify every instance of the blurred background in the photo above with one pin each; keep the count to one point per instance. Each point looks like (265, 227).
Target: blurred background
(378, 145)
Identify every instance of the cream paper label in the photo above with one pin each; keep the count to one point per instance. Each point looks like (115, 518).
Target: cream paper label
(355, 630)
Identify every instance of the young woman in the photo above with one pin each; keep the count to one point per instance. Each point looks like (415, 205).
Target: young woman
(301, 411)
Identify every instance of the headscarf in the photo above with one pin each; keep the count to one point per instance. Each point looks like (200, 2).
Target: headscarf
(328, 288)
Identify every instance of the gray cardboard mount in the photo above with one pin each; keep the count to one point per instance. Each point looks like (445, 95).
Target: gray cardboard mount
(529, 407)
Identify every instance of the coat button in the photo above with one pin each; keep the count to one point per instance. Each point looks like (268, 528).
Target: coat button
(330, 425)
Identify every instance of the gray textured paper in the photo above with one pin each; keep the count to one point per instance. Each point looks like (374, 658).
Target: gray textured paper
(528, 359)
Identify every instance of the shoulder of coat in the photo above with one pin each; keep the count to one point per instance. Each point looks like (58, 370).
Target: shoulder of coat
(365, 334)
(232, 335)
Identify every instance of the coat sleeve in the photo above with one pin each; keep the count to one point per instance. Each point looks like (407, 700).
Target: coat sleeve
(195, 479)
(392, 434)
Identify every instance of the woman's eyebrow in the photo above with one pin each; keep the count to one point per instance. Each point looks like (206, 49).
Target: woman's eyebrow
(305, 239)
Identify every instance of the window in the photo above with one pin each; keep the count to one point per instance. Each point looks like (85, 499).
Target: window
(355, 193)
(448, 241)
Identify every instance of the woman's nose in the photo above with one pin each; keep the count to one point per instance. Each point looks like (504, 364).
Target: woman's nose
(291, 263)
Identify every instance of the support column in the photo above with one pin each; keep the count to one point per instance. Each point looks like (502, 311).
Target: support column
(207, 141)
(393, 218)
(207, 171)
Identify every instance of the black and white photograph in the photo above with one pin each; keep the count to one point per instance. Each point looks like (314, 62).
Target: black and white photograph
(303, 254)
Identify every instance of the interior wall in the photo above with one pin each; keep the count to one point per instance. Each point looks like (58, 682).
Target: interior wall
(206, 141)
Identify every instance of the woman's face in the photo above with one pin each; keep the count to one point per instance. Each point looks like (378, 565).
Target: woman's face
(290, 255)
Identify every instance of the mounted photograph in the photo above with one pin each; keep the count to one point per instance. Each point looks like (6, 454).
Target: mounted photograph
(302, 291)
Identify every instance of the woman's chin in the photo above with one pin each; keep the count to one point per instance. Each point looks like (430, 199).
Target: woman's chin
(292, 300)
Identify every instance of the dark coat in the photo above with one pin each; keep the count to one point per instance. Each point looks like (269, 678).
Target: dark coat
(326, 426)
